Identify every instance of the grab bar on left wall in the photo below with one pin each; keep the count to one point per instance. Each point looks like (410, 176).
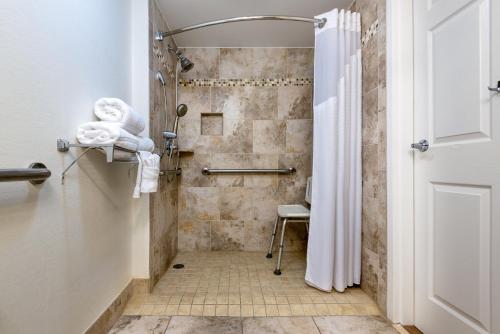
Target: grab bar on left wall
(36, 173)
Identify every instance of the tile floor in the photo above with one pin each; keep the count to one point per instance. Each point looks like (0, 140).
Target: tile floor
(242, 284)
(238, 325)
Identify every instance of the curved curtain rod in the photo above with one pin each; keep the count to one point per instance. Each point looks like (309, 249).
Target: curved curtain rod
(162, 34)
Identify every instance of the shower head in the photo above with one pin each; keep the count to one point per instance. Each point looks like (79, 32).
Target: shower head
(186, 64)
(181, 110)
(160, 78)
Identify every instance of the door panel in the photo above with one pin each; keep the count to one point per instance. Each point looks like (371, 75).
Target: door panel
(457, 180)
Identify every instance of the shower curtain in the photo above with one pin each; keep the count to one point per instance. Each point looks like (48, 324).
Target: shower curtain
(334, 246)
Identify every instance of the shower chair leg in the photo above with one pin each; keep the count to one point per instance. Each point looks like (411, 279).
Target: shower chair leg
(277, 271)
(270, 252)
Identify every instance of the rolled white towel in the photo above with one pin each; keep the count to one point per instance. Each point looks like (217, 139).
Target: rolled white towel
(148, 172)
(107, 133)
(115, 110)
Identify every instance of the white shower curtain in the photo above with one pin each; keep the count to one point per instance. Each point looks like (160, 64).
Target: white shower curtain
(334, 247)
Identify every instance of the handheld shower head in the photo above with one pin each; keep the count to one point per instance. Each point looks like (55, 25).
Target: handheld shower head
(181, 110)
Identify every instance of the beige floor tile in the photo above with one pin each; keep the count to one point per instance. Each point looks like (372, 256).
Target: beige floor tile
(209, 310)
(234, 298)
(309, 309)
(171, 309)
(321, 309)
(234, 310)
(243, 282)
(281, 300)
(269, 300)
(341, 309)
(259, 310)
(159, 309)
(293, 300)
(222, 298)
(146, 309)
(367, 309)
(272, 310)
(247, 310)
(184, 310)
(297, 309)
(175, 300)
(197, 310)
(284, 310)
(221, 310)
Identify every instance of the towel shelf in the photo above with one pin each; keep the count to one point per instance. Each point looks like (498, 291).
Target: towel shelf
(108, 149)
(37, 173)
(209, 171)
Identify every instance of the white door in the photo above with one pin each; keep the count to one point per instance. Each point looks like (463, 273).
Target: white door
(457, 181)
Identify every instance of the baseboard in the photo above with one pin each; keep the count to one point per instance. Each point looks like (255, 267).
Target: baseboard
(111, 315)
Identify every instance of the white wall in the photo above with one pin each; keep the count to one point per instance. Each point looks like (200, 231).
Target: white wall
(65, 250)
(140, 100)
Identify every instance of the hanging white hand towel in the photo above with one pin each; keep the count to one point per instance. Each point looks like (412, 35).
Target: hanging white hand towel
(148, 173)
(115, 110)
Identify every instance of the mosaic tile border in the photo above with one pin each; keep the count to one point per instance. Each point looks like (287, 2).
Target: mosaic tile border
(245, 82)
(369, 33)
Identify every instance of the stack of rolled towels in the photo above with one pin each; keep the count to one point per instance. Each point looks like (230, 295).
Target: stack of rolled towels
(121, 126)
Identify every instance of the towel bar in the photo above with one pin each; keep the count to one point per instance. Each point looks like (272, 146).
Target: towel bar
(37, 173)
(208, 171)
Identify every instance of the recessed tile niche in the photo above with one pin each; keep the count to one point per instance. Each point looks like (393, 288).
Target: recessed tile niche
(212, 124)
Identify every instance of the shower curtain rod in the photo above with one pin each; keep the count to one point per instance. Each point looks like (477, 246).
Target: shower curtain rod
(162, 34)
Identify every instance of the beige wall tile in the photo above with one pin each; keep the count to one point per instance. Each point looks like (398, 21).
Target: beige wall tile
(227, 235)
(252, 63)
(295, 102)
(269, 136)
(300, 63)
(206, 63)
(299, 136)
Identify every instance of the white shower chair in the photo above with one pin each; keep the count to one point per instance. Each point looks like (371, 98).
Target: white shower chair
(289, 214)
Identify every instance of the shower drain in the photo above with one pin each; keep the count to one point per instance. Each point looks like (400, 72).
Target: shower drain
(178, 266)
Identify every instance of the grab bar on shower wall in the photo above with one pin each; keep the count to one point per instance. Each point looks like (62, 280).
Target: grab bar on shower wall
(208, 171)
(36, 173)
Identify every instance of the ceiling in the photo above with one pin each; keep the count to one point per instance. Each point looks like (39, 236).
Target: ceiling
(180, 13)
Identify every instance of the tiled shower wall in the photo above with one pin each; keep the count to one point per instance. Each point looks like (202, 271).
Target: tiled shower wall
(374, 229)
(163, 204)
(248, 108)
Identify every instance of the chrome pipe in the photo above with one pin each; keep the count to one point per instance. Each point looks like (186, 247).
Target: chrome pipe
(209, 171)
(36, 173)
(320, 22)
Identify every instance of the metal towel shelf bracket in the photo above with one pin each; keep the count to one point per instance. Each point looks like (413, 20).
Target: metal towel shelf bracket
(37, 173)
(208, 171)
(64, 146)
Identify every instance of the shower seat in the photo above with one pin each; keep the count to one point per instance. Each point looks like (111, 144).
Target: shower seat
(289, 214)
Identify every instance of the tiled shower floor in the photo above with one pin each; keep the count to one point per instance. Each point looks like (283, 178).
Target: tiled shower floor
(242, 284)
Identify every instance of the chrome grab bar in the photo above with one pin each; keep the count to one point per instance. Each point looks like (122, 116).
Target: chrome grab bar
(165, 172)
(209, 171)
(37, 173)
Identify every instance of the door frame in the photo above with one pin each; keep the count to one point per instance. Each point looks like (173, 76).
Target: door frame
(400, 167)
